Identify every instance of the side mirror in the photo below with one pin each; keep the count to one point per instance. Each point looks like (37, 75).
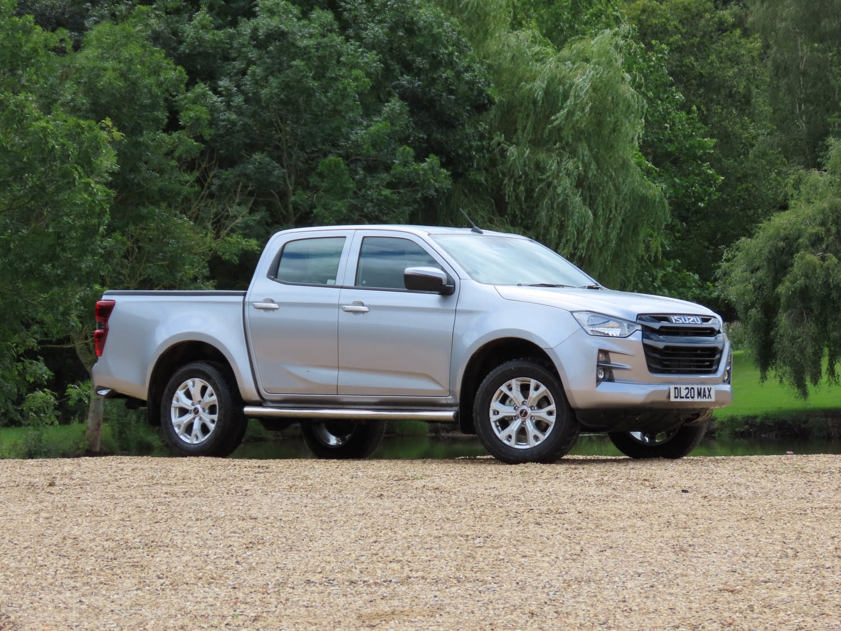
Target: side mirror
(429, 279)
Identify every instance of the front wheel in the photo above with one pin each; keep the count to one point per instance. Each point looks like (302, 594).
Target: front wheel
(342, 440)
(675, 443)
(521, 414)
(201, 412)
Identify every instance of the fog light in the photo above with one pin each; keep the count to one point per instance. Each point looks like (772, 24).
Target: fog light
(604, 369)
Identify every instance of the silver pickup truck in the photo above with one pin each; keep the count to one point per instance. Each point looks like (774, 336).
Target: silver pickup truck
(344, 328)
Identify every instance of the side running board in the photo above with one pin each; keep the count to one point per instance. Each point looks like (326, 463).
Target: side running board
(345, 413)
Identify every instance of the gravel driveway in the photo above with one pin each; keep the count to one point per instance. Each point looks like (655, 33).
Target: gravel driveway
(588, 543)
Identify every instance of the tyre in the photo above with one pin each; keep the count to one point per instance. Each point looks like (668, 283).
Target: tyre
(342, 440)
(675, 443)
(201, 411)
(521, 414)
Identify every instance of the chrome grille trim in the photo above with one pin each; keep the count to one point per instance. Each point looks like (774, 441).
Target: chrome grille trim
(685, 349)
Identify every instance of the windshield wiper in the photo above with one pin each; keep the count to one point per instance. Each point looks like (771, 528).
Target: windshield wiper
(542, 285)
(593, 286)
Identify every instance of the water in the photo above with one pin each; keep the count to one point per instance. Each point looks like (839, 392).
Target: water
(422, 447)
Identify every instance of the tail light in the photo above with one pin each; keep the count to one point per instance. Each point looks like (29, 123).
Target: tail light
(103, 312)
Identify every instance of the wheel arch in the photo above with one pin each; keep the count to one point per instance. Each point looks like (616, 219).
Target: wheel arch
(171, 360)
(485, 359)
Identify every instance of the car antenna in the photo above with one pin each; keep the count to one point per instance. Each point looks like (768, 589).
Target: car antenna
(473, 226)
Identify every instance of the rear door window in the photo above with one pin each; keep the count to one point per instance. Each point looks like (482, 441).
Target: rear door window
(310, 261)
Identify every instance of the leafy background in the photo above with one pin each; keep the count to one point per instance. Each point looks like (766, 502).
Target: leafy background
(672, 146)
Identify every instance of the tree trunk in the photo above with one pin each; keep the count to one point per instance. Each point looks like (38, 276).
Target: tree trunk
(96, 404)
(93, 431)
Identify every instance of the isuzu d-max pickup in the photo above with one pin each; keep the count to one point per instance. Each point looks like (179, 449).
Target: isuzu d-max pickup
(344, 328)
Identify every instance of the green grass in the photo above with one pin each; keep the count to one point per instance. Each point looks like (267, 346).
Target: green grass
(129, 436)
(752, 397)
(61, 441)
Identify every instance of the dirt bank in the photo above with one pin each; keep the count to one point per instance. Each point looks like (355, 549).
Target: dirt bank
(700, 543)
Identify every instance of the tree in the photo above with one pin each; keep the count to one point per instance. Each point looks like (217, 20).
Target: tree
(155, 238)
(802, 42)
(717, 69)
(317, 117)
(674, 143)
(565, 163)
(785, 281)
(286, 117)
(120, 77)
(53, 210)
(425, 63)
(561, 21)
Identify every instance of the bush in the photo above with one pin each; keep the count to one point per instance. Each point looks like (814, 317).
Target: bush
(126, 431)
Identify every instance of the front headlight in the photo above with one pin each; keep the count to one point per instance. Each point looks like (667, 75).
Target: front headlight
(605, 326)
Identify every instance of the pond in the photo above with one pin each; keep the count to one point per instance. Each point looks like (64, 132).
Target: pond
(422, 446)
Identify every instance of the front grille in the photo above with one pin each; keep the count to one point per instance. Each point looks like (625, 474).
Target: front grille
(687, 348)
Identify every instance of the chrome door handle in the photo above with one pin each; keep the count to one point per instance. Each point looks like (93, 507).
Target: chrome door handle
(268, 305)
(356, 307)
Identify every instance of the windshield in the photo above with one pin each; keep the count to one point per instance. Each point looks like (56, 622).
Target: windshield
(511, 260)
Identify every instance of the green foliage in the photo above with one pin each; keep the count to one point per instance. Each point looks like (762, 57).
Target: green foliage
(677, 146)
(561, 21)
(802, 42)
(53, 207)
(146, 143)
(127, 432)
(721, 82)
(566, 127)
(674, 142)
(25, 63)
(323, 115)
(65, 441)
(785, 281)
(118, 76)
(424, 62)
(39, 408)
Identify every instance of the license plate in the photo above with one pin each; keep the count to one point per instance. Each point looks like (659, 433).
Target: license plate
(691, 393)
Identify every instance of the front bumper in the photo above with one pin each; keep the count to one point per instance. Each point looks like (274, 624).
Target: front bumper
(628, 388)
(652, 396)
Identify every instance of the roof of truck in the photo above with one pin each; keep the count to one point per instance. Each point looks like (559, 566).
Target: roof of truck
(415, 229)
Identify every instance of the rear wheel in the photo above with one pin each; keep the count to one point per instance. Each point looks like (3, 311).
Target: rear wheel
(522, 415)
(675, 443)
(201, 412)
(343, 440)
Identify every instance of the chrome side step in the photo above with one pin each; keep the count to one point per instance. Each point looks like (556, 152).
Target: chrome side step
(346, 413)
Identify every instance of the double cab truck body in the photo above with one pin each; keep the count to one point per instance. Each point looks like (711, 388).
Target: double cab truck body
(344, 328)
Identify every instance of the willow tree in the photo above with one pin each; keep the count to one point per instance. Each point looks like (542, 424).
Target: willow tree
(785, 281)
(566, 126)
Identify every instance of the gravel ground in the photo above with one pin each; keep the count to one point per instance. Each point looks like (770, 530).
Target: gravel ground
(167, 543)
